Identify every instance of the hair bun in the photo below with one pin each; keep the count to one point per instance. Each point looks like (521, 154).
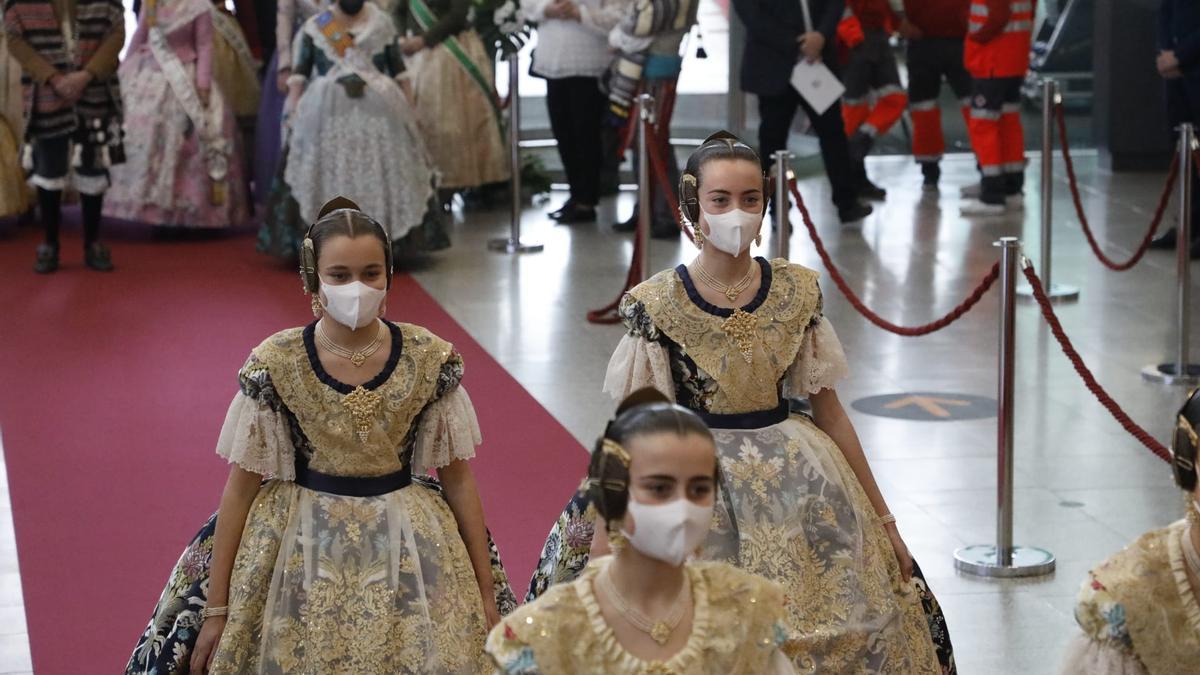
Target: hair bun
(338, 202)
(641, 397)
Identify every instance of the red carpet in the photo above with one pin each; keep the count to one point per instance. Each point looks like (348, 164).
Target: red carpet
(114, 390)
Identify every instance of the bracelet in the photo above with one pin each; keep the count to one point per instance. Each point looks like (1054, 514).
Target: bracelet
(886, 519)
(209, 612)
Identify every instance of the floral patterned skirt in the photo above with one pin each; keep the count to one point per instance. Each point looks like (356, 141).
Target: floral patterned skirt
(166, 645)
(792, 511)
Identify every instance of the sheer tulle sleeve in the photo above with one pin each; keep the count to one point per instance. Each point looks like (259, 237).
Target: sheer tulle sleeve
(820, 364)
(641, 358)
(1086, 656)
(255, 435)
(447, 429)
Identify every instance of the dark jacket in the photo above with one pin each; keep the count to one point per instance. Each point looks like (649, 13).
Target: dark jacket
(1179, 30)
(772, 27)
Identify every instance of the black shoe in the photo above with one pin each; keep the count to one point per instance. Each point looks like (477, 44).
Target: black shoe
(98, 257)
(576, 214)
(871, 191)
(47, 259)
(567, 206)
(627, 225)
(1164, 241)
(854, 213)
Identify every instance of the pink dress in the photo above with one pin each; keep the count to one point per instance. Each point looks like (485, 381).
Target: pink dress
(177, 173)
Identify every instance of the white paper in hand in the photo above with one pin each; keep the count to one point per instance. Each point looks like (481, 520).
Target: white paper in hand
(817, 84)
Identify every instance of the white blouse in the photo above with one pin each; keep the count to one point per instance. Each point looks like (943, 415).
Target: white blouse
(567, 48)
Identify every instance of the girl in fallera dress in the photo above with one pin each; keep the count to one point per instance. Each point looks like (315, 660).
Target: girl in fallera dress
(648, 608)
(345, 559)
(184, 165)
(730, 336)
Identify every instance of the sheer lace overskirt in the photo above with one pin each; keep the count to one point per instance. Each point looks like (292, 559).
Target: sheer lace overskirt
(447, 431)
(256, 438)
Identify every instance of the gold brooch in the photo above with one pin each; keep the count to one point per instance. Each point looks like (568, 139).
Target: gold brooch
(363, 406)
(741, 327)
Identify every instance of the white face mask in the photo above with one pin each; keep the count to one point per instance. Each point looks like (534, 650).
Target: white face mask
(353, 305)
(668, 532)
(733, 230)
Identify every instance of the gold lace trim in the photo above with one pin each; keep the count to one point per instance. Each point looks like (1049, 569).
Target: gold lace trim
(364, 439)
(743, 352)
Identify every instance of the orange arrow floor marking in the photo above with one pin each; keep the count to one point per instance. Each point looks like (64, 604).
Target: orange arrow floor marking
(930, 404)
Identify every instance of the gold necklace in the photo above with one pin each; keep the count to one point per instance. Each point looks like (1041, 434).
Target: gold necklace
(730, 291)
(660, 631)
(356, 357)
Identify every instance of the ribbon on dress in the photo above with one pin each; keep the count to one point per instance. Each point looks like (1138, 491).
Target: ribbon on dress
(425, 19)
(208, 121)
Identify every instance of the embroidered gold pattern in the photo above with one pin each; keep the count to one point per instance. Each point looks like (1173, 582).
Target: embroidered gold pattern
(772, 342)
(567, 633)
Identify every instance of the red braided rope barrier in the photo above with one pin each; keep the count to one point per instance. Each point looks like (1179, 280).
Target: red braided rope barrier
(1089, 380)
(1172, 174)
(913, 331)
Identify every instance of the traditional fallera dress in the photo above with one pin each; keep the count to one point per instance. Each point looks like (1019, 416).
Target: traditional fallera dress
(452, 82)
(15, 195)
(1138, 611)
(738, 628)
(353, 133)
(791, 508)
(323, 581)
(235, 69)
(184, 163)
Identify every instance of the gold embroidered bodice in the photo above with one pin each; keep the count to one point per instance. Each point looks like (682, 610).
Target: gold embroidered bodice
(1148, 581)
(737, 626)
(358, 431)
(745, 352)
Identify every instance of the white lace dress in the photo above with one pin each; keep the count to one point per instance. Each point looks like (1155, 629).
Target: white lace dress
(359, 139)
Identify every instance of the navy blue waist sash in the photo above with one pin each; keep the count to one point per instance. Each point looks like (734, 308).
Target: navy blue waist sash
(351, 486)
(751, 420)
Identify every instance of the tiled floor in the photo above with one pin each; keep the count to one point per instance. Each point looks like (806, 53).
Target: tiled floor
(1083, 487)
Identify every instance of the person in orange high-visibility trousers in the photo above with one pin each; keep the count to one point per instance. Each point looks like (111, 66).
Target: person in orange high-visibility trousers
(934, 31)
(870, 73)
(996, 54)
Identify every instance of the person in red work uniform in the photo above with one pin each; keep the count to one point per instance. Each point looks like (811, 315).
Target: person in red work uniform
(935, 30)
(870, 71)
(996, 54)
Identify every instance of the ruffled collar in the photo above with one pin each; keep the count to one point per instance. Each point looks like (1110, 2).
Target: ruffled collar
(683, 660)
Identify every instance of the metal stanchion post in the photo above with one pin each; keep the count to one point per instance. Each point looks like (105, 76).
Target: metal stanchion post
(783, 227)
(1005, 559)
(1056, 292)
(645, 204)
(512, 243)
(1181, 371)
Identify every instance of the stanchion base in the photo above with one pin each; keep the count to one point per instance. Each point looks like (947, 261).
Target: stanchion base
(1056, 292)
(980, 560)
(510, 245)
(1166, 373)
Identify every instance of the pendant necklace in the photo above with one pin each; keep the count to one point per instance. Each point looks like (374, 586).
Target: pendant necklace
(660, 631)
(355, 357)
(730, 291)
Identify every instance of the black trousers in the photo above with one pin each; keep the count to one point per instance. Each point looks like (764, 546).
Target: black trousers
(776, 113)
(1183, 105)
(576, 108)
(930, 60)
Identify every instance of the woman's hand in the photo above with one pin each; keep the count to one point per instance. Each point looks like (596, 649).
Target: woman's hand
(491, 613)
(204, 95)
(901, 550)
(412, 45)
(206, 644)
(281, 79)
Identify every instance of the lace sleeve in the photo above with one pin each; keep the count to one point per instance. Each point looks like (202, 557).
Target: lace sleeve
(1086, 656)
(447, 429)
(255, 434)
(820, 362)
(636, 363)
(510, 654)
